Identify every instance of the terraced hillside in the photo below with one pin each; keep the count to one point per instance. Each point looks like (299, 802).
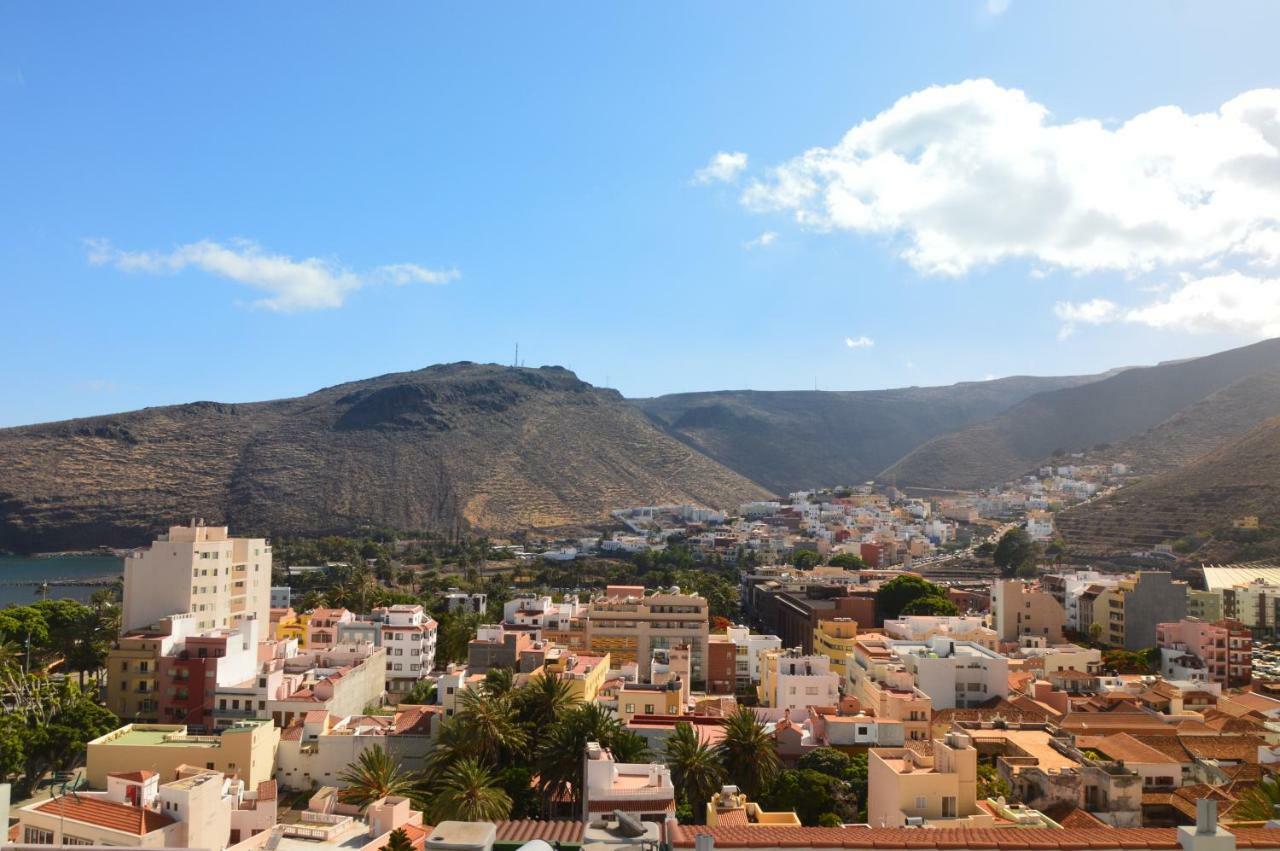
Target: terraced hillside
(1195, 503)
(1076, 418)
(787, 440)
(469, 446)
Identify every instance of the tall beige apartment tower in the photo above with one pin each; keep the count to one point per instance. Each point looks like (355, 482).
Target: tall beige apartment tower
(201, 570)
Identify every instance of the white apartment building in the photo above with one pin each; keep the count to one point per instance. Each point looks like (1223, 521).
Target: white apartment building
(957, 627)
(341, 681)
(461, 601)
(954, 674)
(1069, 587)
(409, 638)
(750, 650)
(197, 569)
(791, 680)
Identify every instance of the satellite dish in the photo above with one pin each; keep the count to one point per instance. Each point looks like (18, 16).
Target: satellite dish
(629, 825)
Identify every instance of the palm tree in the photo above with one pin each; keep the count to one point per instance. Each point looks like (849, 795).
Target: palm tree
(629, 747)
(491, 723)
(544, 700)
(748, 753)
(374, 775)
(563, 745)
(1259, 803)
(695, 769)
(469, 792)
(499, 682)
(398, 840)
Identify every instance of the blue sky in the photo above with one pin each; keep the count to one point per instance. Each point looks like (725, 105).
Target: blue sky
(248, 201)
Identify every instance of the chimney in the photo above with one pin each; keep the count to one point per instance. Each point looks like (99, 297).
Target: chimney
(1206, 834)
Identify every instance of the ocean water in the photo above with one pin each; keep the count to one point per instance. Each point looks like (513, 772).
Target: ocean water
(19, 569)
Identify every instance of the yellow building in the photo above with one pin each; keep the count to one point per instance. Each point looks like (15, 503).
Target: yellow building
(585, 673)
(835, 639)
(247, 750)
(648, 699)
(732, 809)
(290, 624)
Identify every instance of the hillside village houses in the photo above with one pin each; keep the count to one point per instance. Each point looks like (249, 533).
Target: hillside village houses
(223, 718)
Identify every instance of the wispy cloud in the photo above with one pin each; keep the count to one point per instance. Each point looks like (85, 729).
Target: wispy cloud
(996, 7)
(97, 385)
(863, 342)
(1232, 303)
(724, 167)
(291, 285)
(764, 240)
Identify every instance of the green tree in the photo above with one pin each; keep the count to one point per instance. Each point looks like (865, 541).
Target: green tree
(991, 784)
(423, 694)
(827, 761)
(696, 771)
(560, 752)
(848, 561)
(499, 682)
(930, 605)
(398, 840)
(749, 754)
(543, 701)
(376, 774)
(1015, 551)
(811, 794)
(469, 792)
(491, 722)
(629, 747)
(805, 559)
(894, 595)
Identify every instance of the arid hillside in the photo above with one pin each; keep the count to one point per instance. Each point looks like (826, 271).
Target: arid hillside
(788, 440)
(1193, 505)
(1078, 418)
(461, 446)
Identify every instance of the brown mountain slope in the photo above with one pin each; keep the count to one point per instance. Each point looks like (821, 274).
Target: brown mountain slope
(472, 446)
(1198, 499)
(788, 440)
(1076, 418)
(1207, 425)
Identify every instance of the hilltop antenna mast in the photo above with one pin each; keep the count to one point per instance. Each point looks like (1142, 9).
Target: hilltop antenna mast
(516, 362)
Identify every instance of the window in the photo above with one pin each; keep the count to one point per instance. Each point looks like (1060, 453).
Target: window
(68, 839)
(920, 802)
(37, 836)
(948, 806)
(631, 708)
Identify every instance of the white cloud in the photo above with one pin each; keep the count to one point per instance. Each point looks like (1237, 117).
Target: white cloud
(863, 342)
(1229, 303)
(724, 167)
(764, 240)
(974, 174)
(997, 7)
(291, 285)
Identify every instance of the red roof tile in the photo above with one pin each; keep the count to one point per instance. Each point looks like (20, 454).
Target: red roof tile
(566, 831)
(760, 836)
(105, 814)
(132, 776)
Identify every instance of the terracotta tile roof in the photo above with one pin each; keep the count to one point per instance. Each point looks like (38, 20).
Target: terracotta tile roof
(1078, 819)
(105, 814)
(267, 790)
(415, 722)
(1236, 748)
(1122, 746)
(566, 831)
(632, 805)
(132, 776)
(732, 818)
(955, 839)
(1170, 746)
(291, 734)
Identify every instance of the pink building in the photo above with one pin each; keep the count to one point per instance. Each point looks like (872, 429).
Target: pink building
(322, 627)
(1225, 647)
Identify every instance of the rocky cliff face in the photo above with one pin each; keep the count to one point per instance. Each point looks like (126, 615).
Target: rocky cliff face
(460, 446)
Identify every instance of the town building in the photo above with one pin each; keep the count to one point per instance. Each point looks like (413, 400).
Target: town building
(644, 790)
(1224, 649)
(247, 750)
(792, 679)
(909, 788)
(319, 747)
(629, 625)
(958, 627)
(749, 648)
(198, 569)
(1021, 609)
(409, 639)
(955, 674)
